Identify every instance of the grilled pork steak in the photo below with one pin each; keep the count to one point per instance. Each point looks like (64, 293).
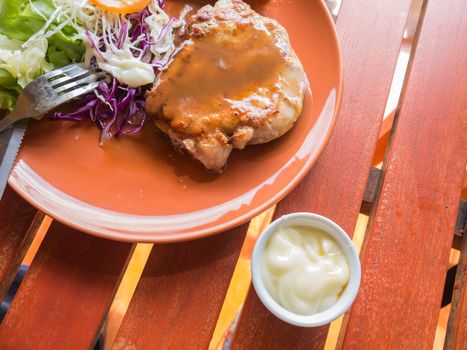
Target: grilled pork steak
(235, 81)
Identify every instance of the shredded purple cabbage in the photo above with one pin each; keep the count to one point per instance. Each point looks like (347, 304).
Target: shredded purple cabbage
(116, 108)
(95, 46)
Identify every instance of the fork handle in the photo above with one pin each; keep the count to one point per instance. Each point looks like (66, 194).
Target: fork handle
(10, 119)
(18, 113)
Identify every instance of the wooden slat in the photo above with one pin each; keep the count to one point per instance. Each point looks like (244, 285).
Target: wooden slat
(18, 225)
(370, 34)
(180, 294)
(456, 335)
(66, 292)
(407, 249)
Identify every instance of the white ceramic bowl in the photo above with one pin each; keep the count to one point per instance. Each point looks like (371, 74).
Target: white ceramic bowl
(341, 237)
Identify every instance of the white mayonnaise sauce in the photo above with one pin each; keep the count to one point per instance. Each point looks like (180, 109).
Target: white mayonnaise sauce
(126, 68)
(304, 269)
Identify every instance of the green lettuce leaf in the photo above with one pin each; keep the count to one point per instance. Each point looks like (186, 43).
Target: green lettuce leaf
(7, 81)
(19, 21)
(70, 47)
(16, 26)
(57, 58)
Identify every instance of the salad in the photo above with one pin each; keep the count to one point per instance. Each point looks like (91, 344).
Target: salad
(129, 39)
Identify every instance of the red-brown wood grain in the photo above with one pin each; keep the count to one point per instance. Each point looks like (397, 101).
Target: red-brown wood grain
(370, 34)
(64, 296)
(456, 334)
(406, 254)
(18, 224)
(180, 294)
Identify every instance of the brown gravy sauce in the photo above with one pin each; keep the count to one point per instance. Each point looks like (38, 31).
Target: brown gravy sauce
(229, 67)
(218, 67)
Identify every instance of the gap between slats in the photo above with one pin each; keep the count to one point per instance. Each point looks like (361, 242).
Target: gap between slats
(456, 337)
(19, 224)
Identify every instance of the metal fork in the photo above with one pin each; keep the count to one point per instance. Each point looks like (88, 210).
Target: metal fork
(53, 89)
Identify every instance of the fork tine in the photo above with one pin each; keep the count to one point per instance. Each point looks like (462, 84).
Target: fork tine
(77, 92)
(58, 71)
(42, 95)
(71, 70)
(77, 70)
(66, 79)
(77, 83)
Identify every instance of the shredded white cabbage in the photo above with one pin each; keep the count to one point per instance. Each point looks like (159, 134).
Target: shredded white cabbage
(43, 33)
(24, 63)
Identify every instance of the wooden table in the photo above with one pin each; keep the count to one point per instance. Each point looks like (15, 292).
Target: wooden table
(413, 206)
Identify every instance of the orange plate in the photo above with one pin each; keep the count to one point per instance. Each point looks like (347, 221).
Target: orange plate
(139, 189)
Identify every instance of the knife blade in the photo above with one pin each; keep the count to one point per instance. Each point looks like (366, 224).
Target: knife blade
(10, 141)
